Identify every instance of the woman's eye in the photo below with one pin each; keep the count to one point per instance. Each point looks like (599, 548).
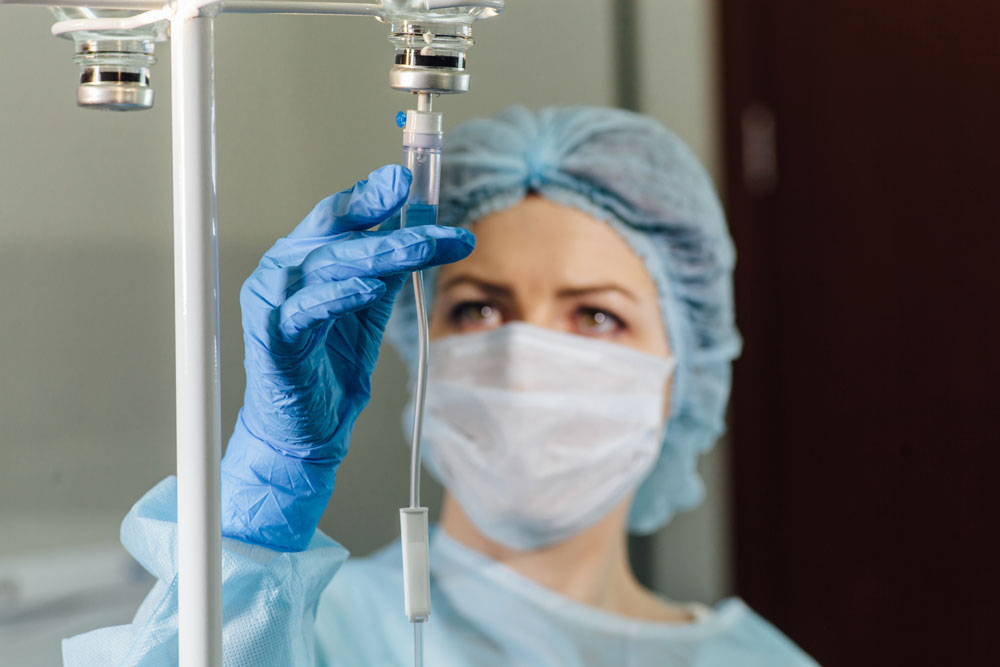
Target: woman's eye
(475, 315)
(596, 322)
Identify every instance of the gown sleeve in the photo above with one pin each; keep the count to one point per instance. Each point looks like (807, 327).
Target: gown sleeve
(269, 598)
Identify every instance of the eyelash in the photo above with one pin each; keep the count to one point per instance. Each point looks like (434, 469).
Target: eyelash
(460, 312)
(594, 312)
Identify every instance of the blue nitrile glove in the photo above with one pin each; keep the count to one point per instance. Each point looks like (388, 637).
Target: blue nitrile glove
(313, 315)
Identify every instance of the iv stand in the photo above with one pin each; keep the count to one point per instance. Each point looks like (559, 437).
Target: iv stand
(196, 287)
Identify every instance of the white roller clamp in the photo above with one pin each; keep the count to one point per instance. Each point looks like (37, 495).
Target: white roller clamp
(416, 563)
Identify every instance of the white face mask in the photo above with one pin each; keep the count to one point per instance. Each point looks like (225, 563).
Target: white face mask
(539, 434)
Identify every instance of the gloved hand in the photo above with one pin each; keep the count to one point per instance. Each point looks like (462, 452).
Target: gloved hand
(314, 312)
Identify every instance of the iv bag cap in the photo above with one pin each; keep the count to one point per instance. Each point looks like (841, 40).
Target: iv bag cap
(439, 80)
(114, 97)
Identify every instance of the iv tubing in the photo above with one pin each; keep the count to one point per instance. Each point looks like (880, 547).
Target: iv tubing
(421, 154)
(418, 644)
(421, 389)
(425, 105)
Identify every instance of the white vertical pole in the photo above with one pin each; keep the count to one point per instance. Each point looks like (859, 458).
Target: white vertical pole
(196, 301)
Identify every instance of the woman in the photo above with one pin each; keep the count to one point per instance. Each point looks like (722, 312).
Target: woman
(579, 364)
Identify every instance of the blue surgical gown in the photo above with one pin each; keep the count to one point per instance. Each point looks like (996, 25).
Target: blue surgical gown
(316, 607)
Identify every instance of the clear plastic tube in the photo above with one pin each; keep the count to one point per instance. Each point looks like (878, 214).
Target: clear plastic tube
(418, 644)
(422, 156)
(420, 209)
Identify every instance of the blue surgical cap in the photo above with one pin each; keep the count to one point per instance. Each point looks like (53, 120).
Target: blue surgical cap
(628, 170)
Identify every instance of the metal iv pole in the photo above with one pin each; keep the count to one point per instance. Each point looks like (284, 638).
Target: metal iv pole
(196, 312)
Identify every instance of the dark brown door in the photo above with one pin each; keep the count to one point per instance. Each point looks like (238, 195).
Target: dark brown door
(863, 169)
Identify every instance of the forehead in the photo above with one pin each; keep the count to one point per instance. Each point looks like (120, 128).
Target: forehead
(539, 241)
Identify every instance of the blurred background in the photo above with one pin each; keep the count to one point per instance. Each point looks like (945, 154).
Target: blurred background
(855, 146)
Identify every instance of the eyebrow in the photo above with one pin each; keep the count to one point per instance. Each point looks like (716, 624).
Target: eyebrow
(593, 289)
(568, 292)
(486, 286)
